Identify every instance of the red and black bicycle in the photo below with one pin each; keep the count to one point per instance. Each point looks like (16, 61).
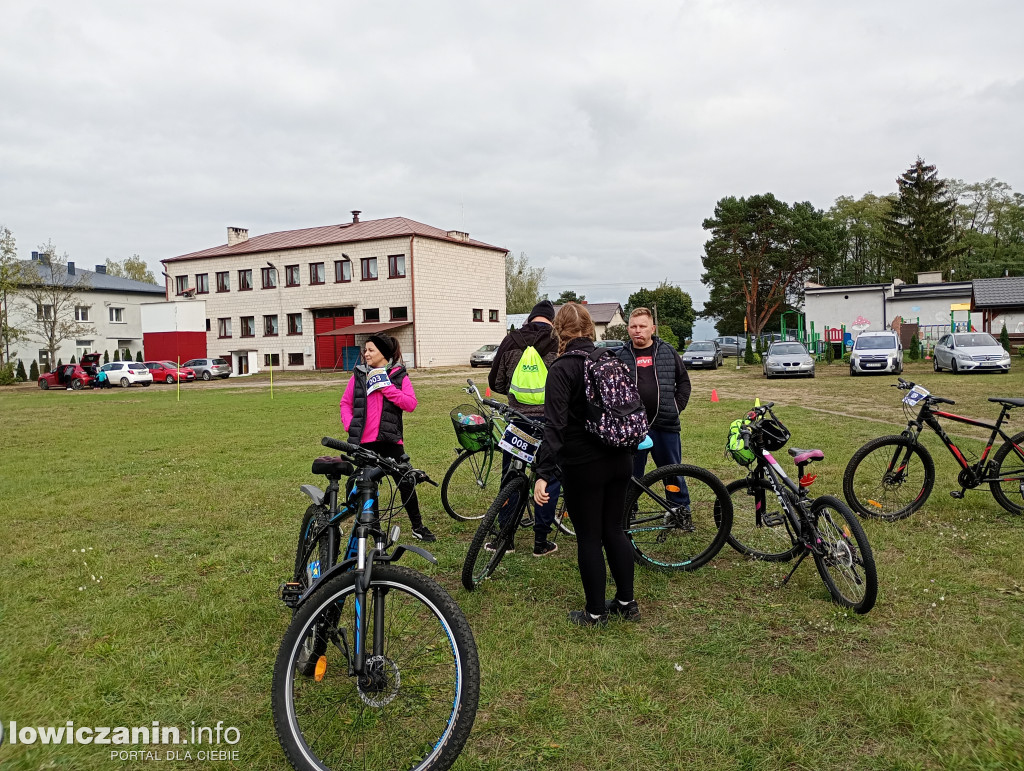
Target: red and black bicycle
(892, 476)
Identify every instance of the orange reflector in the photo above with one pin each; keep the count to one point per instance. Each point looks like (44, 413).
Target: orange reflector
(876, 504)
(846, 531)
(321, 668)
(672, 488)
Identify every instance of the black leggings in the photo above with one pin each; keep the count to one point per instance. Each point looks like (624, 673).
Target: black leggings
(595, 497)
(406, 487)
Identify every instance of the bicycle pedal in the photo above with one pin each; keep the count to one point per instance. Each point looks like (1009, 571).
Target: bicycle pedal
(290, 592)
(958, 494)
(773, 519)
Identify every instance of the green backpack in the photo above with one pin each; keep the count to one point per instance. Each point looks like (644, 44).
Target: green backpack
(736, 442)
(528, 380)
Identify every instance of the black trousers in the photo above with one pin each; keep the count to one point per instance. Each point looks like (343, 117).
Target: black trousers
(406, 487)
(595, 497)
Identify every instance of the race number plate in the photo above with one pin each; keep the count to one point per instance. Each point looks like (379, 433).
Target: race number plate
(519, 444)
(915, 395)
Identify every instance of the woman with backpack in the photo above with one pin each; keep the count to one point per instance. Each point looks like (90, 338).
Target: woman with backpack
(595, 476)
(371, 411)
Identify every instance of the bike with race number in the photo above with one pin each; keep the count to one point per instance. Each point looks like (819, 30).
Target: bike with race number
(891, 477)
(823, 527)
(472, 479)
(378, 668)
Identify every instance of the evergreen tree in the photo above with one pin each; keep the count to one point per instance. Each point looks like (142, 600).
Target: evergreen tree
(748, 355)
(1004, 339)
(106, 357)
(33, 371)
(73, 359)
(117, 354)
(915, 348)
(138, 357)
(22, 377)
(60, 363)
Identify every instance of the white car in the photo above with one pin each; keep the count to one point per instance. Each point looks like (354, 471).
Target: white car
(127, 373)
(878, 352)
(970, 352)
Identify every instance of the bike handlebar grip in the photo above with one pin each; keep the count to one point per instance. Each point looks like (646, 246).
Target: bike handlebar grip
(942, 400)
(493, 403)
(337, 444)
(470, 381)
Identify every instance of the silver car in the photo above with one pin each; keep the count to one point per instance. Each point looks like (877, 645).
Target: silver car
(787, 359)
(208, 369)
(878, 352)
(703, 353)
(482, 356)
(970, 352)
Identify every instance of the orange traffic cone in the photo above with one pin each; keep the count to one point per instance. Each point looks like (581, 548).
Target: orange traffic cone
(487, 392)
(714, 394)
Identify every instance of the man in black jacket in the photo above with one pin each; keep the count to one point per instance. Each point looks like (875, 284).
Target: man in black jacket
(664, 388)
(536, 332)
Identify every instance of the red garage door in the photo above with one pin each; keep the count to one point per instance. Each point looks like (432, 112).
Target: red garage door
(330, 348)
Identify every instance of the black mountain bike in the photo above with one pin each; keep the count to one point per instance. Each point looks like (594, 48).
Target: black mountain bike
(891, 477)
(799, 525)
(378, 668)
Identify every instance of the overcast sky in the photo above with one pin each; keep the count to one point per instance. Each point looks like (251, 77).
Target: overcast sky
(593, 136)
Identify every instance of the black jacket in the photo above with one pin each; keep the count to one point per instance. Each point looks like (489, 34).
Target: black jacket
(566, 439)
(673, 382)
(506, 359)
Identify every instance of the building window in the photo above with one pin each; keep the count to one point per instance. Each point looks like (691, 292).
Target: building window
(244, 280)
(202, 283)
(295, 360)
(396, 266)
(207, 325)
(44, 361)
(400, 314)
(82, 347)
(269, 278)
(271, 360)
(223, 327)
(492, 315)
(270, 326)
(369, 266)
(117, 315)
(294, 323)
(247, 326)
(180, 284)
(81, 313)
(224, 282)
(342, 271)
(371, 315)
(291, 275)
(478, 314)
(316, 273)
(44, 312)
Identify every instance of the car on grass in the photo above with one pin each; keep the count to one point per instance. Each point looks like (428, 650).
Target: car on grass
(703, 354)
(970, 352)
(208, 369)
(483, 356)
(732, 346)
(169, 372)
(73, 376)
(876, 353)
(787, 359)
(611, 344)
(127, 373)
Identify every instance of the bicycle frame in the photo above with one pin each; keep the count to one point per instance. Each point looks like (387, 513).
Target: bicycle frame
(770, 469)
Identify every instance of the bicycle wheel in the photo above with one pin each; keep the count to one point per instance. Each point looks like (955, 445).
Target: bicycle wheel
(562, 521)
(889, 478)
(1009, 462)
(465, 487)
(310, 564)
(766, 537)
(847, 565)
(509, 505)
(418, 707)
(673, 538)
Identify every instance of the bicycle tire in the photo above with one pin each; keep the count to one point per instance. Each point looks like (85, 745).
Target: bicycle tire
(480, 564)
(563, 523)
(429, 688)
(848, 566)
(870, 494)
(759, 541)
(465, 485)
(1016, 467)
(309, 566)
(660, 538)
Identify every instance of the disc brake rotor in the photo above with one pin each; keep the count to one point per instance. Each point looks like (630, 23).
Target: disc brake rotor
(386, 682)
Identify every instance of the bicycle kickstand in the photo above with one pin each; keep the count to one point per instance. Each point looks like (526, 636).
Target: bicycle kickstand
(791, 572)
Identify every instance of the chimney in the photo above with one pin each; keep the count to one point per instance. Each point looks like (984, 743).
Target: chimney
(237, 235)
(35, 256)
(101, 268)
(355, 216)
(71, 268)
(458, 235)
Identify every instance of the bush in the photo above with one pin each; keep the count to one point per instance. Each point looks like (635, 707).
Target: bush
(138, 357)
(106, 357)
(846, 357)
(915, 348)
(1004, 339)
(665, 333)
(33, 371)
(617, 332)
(7, 376)
(22, 377)
(748, 355)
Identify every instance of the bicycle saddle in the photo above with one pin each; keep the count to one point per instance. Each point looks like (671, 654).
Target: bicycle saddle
(805, 456)
(1009, 402)
(332, 466)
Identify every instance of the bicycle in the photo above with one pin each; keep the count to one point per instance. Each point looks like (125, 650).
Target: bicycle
(891, 477)
(465, 485)
(823, 527)
(405, 665)
(663, 536)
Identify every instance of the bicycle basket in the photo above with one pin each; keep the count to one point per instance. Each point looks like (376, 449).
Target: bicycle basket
(773, 435)
(473, 430)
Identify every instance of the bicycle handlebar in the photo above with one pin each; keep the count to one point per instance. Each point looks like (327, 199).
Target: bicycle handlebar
(365, 457)
(906, 385)
(507, 410)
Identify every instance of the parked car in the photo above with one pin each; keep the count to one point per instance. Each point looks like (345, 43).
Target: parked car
(208, 369)
(73, 376)
(787, 359)
(732, 346)
(703, 354)
(482, 356)
(169, 372)
(127, 373)
(609, 344)
(876, 352)
(970, 352)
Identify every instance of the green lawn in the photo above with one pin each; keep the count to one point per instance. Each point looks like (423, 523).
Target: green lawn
(143, 540)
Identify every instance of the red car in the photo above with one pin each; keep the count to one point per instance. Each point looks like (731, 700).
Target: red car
(169, 372)
(73, 376)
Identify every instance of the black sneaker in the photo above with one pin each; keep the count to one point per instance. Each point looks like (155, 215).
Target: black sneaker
(422, 533)
(582, 618)
(628, 612)
(544, 548)
(489, 546)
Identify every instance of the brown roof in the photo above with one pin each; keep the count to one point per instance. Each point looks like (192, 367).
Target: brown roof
(369, 230)
(365, 329)
(601, 313)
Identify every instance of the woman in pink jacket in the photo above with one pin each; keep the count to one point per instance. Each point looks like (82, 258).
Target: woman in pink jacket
(371, 411)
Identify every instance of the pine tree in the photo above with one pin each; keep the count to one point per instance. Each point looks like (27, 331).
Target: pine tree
(22, 377)
(117, 354)
(73, 358)
(33, 371)
(106, 357)
(59, 363)
(1004, 339)
(748, 355)
(138, 357)
(915, 348)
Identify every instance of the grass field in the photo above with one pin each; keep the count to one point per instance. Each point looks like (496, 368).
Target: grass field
(143, 540)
